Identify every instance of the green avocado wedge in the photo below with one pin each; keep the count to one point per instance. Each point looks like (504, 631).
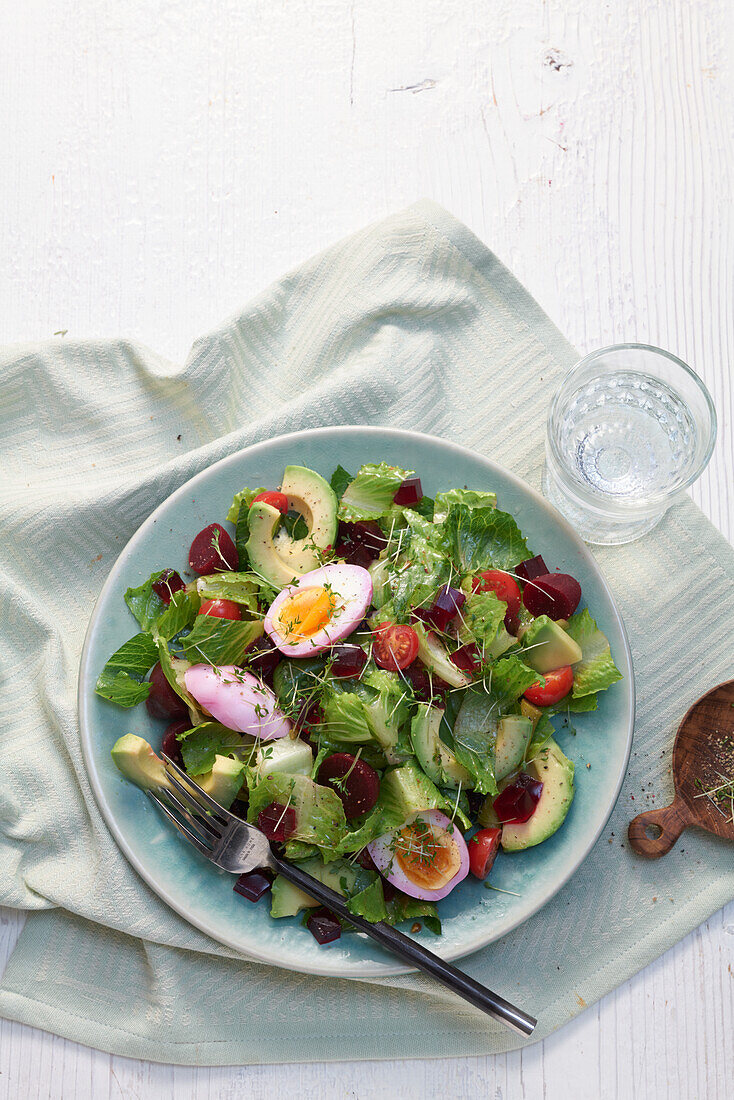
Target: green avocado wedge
(555, 771)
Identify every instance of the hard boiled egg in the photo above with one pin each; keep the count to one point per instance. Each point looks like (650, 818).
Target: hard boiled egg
(425, 858)
(319, 609)
(238, 700)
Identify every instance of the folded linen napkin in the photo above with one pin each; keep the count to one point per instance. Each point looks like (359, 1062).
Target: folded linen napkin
(409, 323)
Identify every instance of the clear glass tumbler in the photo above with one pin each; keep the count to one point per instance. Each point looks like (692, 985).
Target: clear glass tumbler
(629, 429)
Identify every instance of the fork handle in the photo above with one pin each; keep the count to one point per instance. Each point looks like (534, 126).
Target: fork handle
(414, 953)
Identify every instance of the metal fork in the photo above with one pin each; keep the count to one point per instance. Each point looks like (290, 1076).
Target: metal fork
(237, 847)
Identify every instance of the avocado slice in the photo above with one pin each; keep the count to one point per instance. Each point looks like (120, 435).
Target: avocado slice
(435, 757)
(287, 899)
(223, 782)
(513, 737)
(433, 655)
(552, 646)
(555, 771)
(289, 755)
(271, 550)
(137, 762)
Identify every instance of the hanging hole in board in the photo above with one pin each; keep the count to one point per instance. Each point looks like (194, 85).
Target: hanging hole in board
(653, 832)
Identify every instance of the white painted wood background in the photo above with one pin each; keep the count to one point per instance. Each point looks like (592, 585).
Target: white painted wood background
(162, 160)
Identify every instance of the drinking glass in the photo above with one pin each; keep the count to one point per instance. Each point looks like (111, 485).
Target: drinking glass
(629, 429)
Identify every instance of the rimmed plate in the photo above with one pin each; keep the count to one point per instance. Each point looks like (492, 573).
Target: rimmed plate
(472, 916)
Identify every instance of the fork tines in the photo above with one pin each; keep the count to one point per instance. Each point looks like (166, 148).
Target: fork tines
(190, 809)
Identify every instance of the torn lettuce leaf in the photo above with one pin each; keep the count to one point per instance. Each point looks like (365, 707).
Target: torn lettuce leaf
(145, 604)
(246, 497)
(241, 588)
(122, 678)
(481, 617)
(475, 738)
(472, 498)
(200, 746)
(483, 538)
(370, 495)
(220, 641)
(596, 671)
(319, 811)
(339, 481)
(180, 614)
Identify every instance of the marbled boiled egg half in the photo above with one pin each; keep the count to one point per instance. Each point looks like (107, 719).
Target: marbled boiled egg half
(238, 700)
(319, 609)
(426, 857)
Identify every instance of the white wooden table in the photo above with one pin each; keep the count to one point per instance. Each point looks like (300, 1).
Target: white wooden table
(162, 161)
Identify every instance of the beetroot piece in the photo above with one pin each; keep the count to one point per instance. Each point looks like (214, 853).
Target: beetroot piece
(517, 802)
(409, 493)
(444, 608)
(365, 860)
(348, 661)
(252, 885)
(162, 702)
(356, 783)
(417, 675)
(467, 658)
(167, 584)
(324, 926)
(262, 657)
(556, 595)
(532, 568)
(277, 822)
(170, 743)
(365, 535)
(213, 551)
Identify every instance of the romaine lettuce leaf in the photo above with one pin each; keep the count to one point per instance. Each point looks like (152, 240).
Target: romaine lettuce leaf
(475, 738)
(418, 573)
(200, 745)
(401, 908)
(596, 670)
(377, 822)
(345, 718)
(473, 498)
(370, 494)
(407, 790)
(339, 481)
(241, 588)
(180, 613)
(245, 496)
(319, 811)
(483, 538)
(389, 709)
(145, 604)
(121, 679)
(220, 641)
(481, 617)
(369, 902)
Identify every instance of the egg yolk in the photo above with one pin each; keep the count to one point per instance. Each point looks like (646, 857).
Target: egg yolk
(305, 613)
(427, 856)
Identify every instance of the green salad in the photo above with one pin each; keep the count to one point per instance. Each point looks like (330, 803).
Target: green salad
(372, 677)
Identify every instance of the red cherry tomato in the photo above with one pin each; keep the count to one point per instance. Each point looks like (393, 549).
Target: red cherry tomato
(503, 585)
(221, 609)
(274, 499)
(558, 683)
(483, 848)
(395, 647)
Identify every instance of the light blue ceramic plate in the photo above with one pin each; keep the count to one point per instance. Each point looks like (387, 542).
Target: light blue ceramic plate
(472, 915)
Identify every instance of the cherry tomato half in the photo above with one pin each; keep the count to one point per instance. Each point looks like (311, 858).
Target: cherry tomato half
(274, 499)
(221, 609)
(558, 683)
(503, 585)
(483, 848)
(395, 647)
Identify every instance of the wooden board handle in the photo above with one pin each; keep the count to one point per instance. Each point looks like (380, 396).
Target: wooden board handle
(665, 825)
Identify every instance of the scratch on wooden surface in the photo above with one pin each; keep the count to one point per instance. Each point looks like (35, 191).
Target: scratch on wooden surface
(424, 86)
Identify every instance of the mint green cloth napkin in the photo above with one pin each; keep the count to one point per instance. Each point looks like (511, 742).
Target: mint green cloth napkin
(411, 323)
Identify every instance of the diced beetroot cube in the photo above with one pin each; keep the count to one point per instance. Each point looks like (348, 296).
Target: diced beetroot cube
(348, 661)
(447, 604)
(162, 701)
(467, 658)
(277, 822)
(323, 926)
(262, 657)
(555, 594)
(213, 551)
(170, 743)
(417, 675)
(252, 885)
(409, 493)
(168, 583)
(532, 568)
(518, 802)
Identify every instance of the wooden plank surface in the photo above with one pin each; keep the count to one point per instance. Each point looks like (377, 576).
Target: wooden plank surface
(162, 161)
